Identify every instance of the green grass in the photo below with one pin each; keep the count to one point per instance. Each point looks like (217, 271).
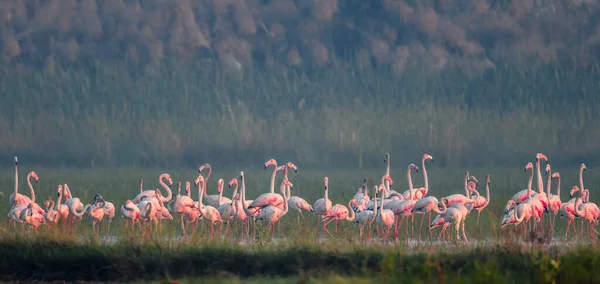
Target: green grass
(164, 115)
(297, 255)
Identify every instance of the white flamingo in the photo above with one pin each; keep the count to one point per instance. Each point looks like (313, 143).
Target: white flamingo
(322, 206)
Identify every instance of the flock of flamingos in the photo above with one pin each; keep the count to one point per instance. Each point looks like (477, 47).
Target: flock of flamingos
(385, 208)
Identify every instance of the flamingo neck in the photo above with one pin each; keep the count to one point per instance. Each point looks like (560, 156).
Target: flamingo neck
(16, 180)
(273, 178)
(425, 176)
(540, 182)
(410, 184)
(30, 187)
(530, 183)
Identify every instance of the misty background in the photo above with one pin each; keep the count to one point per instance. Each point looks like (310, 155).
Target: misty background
(326, 84)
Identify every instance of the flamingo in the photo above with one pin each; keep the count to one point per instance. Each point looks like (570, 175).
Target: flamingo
(480, 201)
(17, 199)
(270, 198)
(97, 214)
(295, 203)
(152, 193)
(361, 197)
(403, 208)
(322, 206)
(554, 202)
(272, 214)
(109, 210)
(567, 209)
(62, 209)
(240, 211)
(340, 212)
(417, 193)
(31, 217)
(76, 207)
(184, 205)
(253, 212)
(426, 205)
(130, 212)
(526, 212)
(588, 211)
(228, 210)
(541, 195)
(148, 211)
(209, 213)
(52, 216)
(509, 219)
(367, 217)
(523, 195)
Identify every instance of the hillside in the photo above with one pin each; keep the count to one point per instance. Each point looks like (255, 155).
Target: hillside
(470, 35)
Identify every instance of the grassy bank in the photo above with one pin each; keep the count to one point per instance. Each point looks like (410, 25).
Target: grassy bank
(164, 115)
(49, 260)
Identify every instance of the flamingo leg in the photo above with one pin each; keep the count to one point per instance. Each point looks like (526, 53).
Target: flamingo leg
(429, 222)
(421, 226)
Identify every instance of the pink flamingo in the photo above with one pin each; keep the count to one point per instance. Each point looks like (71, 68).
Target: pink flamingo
(31, 217)
(567, 210)
(385, 218)
(270, 198)
(523, 195)
(554, 202)
(272, 214)
(481, 202)
(322, 206)
(184, 204)
(62, 209)
(52, 216)
(97, 214)
(419, 193)
(588, 211)
(403, 208)
(295, 203)
(541, 195)
(250, 213)
(209, 213)
(228, 210)
(526, 212)
(17, 199)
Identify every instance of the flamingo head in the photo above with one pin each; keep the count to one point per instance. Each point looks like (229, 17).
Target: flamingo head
(389, 179)
(386, 157)
(270, 162)
(487, 179)
(556, 175)
(444, 200)
(529, 166)
(548, 168)
(473, 179)
(59, 191)
(16, 161)
(97, 197)
(326, 179)
(583, 167)
(413, 167)
(427, 157)
(232, 182)
(198, 180)
(573, 191)
(47, 204)
(541, 156)
(168, 177)
(241, 175)
(205, 166)
(292, 166)
(34, 176)
(220, 184)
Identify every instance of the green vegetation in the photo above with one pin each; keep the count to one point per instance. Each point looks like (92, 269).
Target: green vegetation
(104, 115)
